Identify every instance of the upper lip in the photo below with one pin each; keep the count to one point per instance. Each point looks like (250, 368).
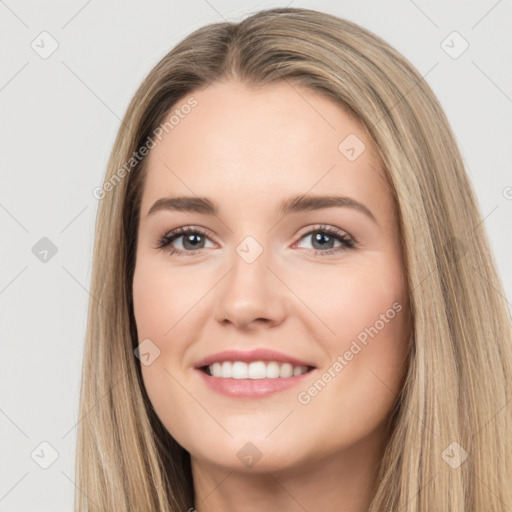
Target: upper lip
(258, 354)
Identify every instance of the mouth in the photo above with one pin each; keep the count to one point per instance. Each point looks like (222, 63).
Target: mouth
(254, 373)
(258, 379)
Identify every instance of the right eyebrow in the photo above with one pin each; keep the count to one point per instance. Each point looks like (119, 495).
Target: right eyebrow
(185, 204)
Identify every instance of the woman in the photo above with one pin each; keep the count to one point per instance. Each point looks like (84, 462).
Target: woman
(229, 366)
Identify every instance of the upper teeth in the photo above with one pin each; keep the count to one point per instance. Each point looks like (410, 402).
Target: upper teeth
(255, 370)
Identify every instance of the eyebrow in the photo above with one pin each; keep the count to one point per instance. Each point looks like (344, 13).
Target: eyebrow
(293, 205)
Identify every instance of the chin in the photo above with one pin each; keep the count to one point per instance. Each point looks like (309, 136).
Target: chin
(255, 454)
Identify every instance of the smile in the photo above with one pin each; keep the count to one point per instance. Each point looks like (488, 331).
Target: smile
(238, 384)
(255, 370)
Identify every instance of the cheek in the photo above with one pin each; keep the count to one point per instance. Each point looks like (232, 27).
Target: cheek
(361, 322)
(160, 305)
(355, 391)
(366, 309)
(160, 299)
(160, 315)
(345, 301)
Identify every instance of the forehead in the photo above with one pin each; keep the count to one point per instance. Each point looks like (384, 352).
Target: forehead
(241, 143)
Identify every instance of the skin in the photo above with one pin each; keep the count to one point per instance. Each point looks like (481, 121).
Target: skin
(241, 144)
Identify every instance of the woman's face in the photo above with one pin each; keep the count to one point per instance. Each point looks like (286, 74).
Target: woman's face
(258, 270)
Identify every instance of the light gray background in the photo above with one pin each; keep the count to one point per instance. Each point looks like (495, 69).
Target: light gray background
(59, 119)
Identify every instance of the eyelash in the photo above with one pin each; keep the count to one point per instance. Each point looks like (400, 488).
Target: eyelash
(348, 242)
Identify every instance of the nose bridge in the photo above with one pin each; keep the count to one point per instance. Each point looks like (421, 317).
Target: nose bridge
(250, 273)
(250, 290)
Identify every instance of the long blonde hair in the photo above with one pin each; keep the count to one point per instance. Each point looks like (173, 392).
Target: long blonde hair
(458, 384)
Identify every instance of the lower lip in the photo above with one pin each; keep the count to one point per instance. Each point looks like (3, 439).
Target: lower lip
(252, 388)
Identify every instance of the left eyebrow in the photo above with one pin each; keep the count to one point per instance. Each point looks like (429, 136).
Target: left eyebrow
(185, 204)
(305, 203)
(293, 205)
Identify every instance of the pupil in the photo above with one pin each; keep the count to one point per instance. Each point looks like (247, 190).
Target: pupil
(320, 236)
(189, 239)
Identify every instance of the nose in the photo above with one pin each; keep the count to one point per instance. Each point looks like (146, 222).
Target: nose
(251, 295)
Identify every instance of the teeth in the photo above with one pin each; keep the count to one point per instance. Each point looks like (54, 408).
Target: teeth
(255, 370)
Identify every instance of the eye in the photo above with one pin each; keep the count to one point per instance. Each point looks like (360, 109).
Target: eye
(193, 240)
(324, 239)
